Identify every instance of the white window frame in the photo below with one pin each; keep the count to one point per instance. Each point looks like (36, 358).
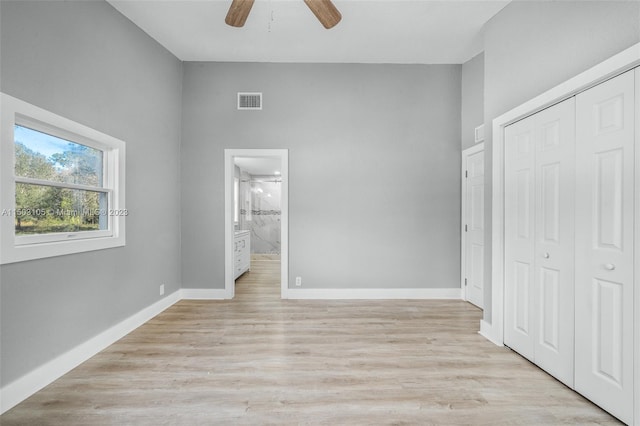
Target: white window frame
(16, 248)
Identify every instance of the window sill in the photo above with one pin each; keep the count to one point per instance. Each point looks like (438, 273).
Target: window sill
(19, 253)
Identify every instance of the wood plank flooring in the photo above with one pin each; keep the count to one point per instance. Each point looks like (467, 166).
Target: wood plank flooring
(261, 360)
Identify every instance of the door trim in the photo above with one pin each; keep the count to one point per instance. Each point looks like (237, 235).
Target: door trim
(617, 64)
(636, 271)
(463, 216)
(229, 155)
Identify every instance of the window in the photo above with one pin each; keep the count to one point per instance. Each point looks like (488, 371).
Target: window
(62, 185)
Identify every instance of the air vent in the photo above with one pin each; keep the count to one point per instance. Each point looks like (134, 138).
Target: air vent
(249, 100)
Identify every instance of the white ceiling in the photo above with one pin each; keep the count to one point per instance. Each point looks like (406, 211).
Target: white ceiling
(371, 31)
(258, 166)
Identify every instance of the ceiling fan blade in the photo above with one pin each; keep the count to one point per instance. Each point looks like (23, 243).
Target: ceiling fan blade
(238, 12)
(325, 11)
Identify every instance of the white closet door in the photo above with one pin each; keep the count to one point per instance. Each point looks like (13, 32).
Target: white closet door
(519, 236)
(539, 238)
(474, 238)
(604, 245)
(554, 131)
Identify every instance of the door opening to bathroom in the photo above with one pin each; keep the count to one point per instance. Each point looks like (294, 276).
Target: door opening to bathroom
(256, 221)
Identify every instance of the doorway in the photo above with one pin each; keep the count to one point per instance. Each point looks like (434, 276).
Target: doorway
(252, 192)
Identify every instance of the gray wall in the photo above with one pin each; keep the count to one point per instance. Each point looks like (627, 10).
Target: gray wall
(472, 114)
(532, 46)
(374, 159)
(85, 61)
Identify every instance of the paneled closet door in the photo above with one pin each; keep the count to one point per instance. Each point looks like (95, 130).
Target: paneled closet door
(539, 238)
(554, 131)
(519, 231)
(604, 245)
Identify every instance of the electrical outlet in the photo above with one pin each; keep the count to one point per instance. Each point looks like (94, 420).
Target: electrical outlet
(161, 289)
(298, 281)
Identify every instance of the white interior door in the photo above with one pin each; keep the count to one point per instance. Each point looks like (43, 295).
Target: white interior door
(539, 238)
(554, 132)
(604, 242)
(473, 268)
(519, 220)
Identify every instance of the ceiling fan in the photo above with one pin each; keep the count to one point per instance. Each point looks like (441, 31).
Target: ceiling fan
(324, 10)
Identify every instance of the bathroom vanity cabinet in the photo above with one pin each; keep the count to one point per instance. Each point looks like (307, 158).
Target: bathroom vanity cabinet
(241, 253)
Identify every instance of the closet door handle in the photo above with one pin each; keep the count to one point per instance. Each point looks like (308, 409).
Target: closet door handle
(609, 266)
(546, 255)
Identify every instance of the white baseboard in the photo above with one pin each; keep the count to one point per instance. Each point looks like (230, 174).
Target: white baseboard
(30, 383)
(486, 331)
(373, 293)
(204, 294)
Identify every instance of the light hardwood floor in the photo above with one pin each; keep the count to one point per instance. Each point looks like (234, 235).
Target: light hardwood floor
(261, 360)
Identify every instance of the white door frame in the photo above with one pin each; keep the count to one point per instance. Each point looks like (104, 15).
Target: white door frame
(637, 253)
(229, 155)
(463, 215)
(617, 64)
